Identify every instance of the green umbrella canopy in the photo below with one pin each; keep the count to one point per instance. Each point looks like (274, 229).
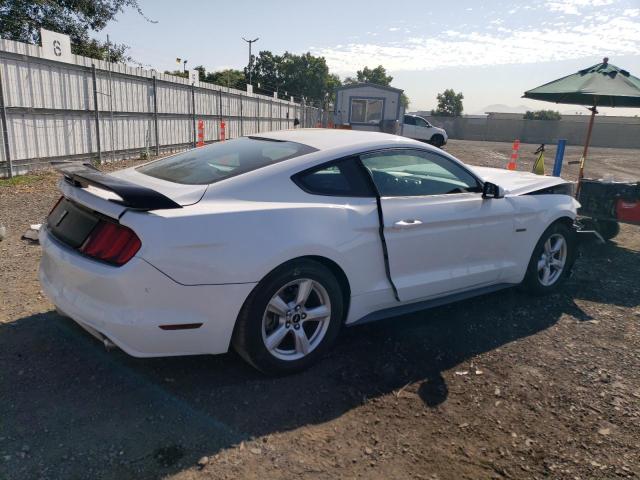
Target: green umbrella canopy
(602, 85)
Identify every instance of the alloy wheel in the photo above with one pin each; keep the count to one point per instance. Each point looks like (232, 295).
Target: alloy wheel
(552, 260)
(296, 319)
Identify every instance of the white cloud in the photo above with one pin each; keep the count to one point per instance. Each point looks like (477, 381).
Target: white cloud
(616, 36)
(572, 7)
(393, 29)
(631, 12)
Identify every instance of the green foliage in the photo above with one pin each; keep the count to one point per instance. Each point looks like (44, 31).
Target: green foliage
(20, 180)
(177, 73)
(291, 74)
(542, 115)
(21, 20)
(229, 78)
(377, 76)
(449, 104)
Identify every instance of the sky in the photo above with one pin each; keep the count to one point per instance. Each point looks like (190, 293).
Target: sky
(490, 50)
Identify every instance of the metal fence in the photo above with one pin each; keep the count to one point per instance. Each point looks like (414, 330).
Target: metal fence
(102, 111)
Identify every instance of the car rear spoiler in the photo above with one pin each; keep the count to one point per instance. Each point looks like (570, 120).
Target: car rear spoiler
(133, 196)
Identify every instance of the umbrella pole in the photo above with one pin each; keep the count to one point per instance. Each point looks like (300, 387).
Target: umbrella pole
(586, 148)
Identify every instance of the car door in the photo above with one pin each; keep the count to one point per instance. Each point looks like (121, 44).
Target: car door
(409, 126)
(423, 129)
(442, 237)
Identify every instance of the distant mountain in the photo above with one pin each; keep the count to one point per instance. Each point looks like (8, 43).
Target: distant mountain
(500, 108)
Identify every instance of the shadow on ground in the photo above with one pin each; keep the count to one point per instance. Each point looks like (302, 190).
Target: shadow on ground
(72, 410)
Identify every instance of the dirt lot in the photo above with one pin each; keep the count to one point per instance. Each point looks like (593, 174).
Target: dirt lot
(502, 386)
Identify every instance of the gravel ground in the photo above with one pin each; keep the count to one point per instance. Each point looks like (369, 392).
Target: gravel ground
(501, 386)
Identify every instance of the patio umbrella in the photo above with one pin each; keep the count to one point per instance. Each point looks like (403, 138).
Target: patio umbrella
(602, 85)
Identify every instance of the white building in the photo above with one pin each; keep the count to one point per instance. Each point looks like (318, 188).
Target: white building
(366, 106)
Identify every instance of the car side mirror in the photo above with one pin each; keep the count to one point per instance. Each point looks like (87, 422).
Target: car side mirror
(491, 190)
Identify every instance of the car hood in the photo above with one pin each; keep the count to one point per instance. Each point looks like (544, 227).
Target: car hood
(515, 182)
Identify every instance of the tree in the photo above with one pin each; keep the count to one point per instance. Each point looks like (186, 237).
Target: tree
(542, 115)
(290, 74)
(449, 104)
(177, 73)
(21, 20)
(229, 78)
(377, 76)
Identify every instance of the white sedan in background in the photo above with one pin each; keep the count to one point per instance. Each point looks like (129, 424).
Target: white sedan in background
(271, 243)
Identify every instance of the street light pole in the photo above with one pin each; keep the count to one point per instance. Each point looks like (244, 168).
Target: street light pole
(250, 57)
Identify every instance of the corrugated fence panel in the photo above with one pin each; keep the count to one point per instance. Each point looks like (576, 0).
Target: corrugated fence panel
(51, 112)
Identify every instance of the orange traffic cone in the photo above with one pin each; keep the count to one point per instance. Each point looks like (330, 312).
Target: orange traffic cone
(514, 155)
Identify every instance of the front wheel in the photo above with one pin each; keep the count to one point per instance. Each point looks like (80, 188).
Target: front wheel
(290, 319)
(551, 260)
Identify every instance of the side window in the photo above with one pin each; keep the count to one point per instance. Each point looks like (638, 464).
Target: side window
(408, 120)
(342, 178)
(421, 122)
(366, 110)
(409, 173)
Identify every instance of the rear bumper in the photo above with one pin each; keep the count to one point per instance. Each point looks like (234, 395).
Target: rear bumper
(128, 304)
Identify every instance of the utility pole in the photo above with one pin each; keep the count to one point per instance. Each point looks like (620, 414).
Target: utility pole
(250, 57)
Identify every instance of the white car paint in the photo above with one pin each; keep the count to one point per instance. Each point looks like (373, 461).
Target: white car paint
(198, 264)
(419, 128)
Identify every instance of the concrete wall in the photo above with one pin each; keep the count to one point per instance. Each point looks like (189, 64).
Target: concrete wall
(619, 132)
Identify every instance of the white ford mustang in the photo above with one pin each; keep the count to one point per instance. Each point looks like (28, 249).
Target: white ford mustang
(273, 242)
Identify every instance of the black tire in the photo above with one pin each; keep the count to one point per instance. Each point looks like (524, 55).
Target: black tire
(532, 282)
(437, 140)
(248, 334)
(608, 229)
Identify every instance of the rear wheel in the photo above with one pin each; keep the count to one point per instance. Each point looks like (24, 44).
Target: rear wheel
(290, 319)
(551, 260)
(437, 140)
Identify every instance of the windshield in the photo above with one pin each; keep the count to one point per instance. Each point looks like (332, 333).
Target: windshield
(222, 160)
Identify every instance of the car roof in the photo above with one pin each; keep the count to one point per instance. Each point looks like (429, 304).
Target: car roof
(326, 138)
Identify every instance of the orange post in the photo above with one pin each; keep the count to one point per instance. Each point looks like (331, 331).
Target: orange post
(200, 134)
(514, 155)
(223, 135)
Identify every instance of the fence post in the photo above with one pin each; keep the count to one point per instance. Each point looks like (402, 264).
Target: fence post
(258, 114)
(97, 111)
(271, 115)
(241, 118)
(5, 131)
(193, 114)
(155, 114)
(220, 117)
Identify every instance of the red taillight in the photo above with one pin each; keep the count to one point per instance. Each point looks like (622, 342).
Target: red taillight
(111, 243)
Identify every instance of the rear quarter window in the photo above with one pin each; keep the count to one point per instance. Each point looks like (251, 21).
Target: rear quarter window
(341, 178)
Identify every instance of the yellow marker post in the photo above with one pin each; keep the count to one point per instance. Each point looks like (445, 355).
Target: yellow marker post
(538, 165)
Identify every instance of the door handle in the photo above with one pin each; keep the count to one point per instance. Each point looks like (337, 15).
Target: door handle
(410, 222)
